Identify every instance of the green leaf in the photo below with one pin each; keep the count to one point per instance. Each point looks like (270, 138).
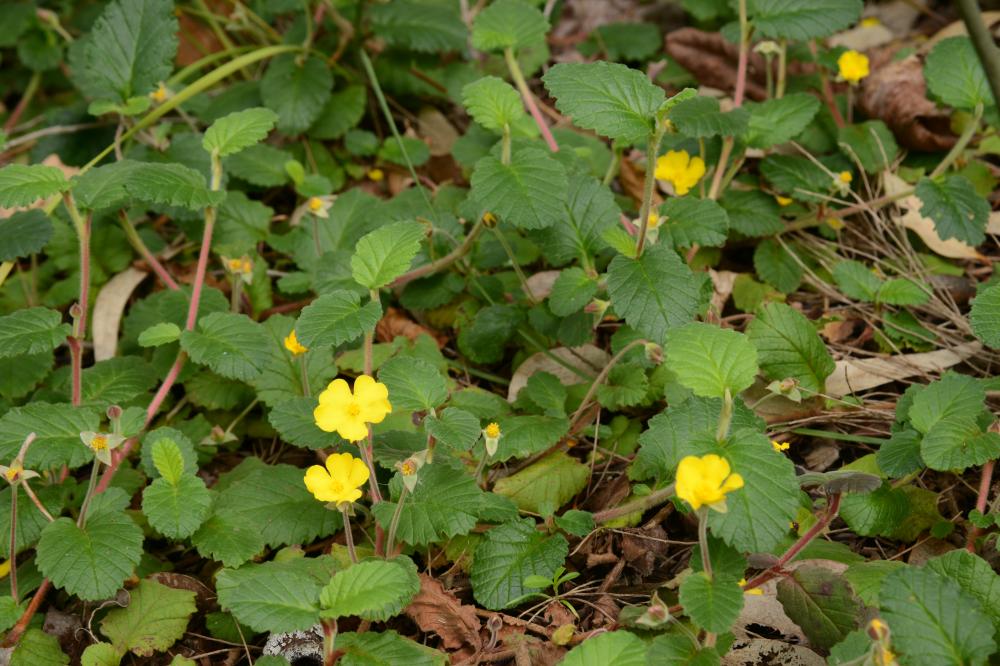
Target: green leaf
(342, 111)
(900, 454)
(19, 375)
(546, 485)
(238, 130)
(611, 99)
(445, 504)
(100, 654)
(31, 331)
(262, 165)
(821, 602)
(677, 650)
(955, 207)
(955, 76)
(975, 576)
(802, 19)
(24, 233)
(512, 24)
(779, 120)
(175, 440)
(710, 360)
(856, 280)
(372, 590)
(577, 523)
(752, 212)
(57, 429)
(866, 578)
(799, 177)
(626, 386)
(159, 334)
(336, 318)
(168, 460)
(30, 522)
(272, 596)
(614, 647)
(37, 647)
(413, 383)
(571, 291)
(946, 413)
(483, 340)
(385, 648)
(590, 211)
(386, 253)
(294, 421)
(493, 103)
(933, 621)
(529, 193)
(116, 381)
(875, 513)
(985, 316)
(172, 184)
(712, 603)
(900, 291)
(230, 344)
(296, 92)
(419, 26)
(654, 293)
(689, 221)
(509, 554)
(871, 143)
(131, 48)
(700, 117)
(788, 346)
(228, 539)
(21, 184)
(93, 562)
(281, 373)
(155, 618)
(176, 509)
(456, 428)
(526, 435)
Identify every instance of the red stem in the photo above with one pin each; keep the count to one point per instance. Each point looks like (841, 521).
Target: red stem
(741, 74)
(984, 492)
(199, 279)
(14, 635)
(543, 127)
(831, 103)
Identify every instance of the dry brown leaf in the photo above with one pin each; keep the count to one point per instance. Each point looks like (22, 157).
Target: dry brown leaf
(437, 131)
(769, 651)
(765, 611)
(395, 323)
(924, 226)
(541, 283)
(859, 374)
(722, 282)
(588, 358)
(712, 60)
(437, 610)
(109, 308)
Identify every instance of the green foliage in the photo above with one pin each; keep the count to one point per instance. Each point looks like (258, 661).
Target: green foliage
(296, 91)
(372, 590)
(788, 346)
(31, 331)
(336, 318)
(413, 383)
(689, 221)
(273, 596)
(156, 617)
(513, 24)
(712, 603)
(546, 485)
(176, 504)
(871, 143)
(984, 317)
(230, 344)
(509, 554)
(955, 76)
(711, 361)
(616, 647)
(419, 26)
(529, 192)
(821, 602)
(700, 117)
(23, 234)
(493, 103)
(803, 19)
(57, 429)
(779, 120)
(238, 130)
(957, 210)
(386, 253)
(21, 185)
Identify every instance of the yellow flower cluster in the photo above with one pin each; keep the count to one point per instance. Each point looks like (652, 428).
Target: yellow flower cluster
(340, 481)
(348, 413)
(705, 481)
(680, 169)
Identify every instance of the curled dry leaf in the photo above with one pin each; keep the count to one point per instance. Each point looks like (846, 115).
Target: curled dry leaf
(859, 374)
(924, 226)
(541, 283)
(437, 610)
(395, 323)
(588, 358)
(712, 60)
(769, 651)
(108, 310)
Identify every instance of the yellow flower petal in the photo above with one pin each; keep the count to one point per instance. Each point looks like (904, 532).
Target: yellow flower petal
(852, 66)
(339, 466)
(318, 482)
(337, 391)
(359, 474)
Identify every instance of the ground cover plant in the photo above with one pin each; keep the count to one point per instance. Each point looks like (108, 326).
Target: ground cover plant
(509, 332)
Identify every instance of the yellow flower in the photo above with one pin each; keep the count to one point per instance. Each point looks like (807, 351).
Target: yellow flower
(680, 169)
(320, 206)
(878, 629)
(315, 204)
(870, 22)
(491, 438)
(101, 444)
(705, 481)
(779, 446)
(755, 591)
(160, 94)
(293, 345)
(845, 177)
(376, 175)
(783, 201)
(348, 413)
(492, 430)
(653, 221)
(340, 481)
(852, 66)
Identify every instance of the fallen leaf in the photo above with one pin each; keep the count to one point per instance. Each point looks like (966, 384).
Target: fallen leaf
(437, 610)
(712, 59)
(588, 358)
(859, 374)
(768, 651)
(541, 283)
(395, 323)
(722, 282)
(108, 310)
(438, 131)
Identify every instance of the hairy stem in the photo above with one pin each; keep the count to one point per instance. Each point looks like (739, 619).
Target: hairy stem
(647, 190)
(34, 500)
(394, 525)
(654, 498)
(444, 262)
(13, 544)
(140, 246)
(349, 536)
(963, 141)
(985, 481)
(529, 99)
(706, 560)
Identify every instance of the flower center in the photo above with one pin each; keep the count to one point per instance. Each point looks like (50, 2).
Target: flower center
(353, 409)
(99, 443)
(315, 203)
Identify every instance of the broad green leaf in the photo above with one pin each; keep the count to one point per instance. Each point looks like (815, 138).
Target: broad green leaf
(101, 654)
(413, 383)
(57, 429)
(228, 539)
(230, 344)
(493, 103)
(900, 291)
(571, 291)
(712, 603)
(689, 221)
(294, 421)
(30, 521)
(238, 130)
(866, 578)
(31, 331)
(856, 280)
(526, 435)
(946, 412)
(677, 650)
(172, 184)
(21, 184)
(700, 117)
(483, 340)
(626, 40)
(626, 386)
(955, 76)
(900, 454)
(273, 596)
(19, 375)
(821, 602)
(955, 207)
(710, 360)
(975, 576)
(262, 165)
(336, 318)
(614, 647)
(281, 372)
(802, 19)
(176, 509)
(372, 590)
(296, 92)
(985, 316)
(131, 48)
(529, 193)
(385, 648)
(654, 293)
(168, 460)
(117, 381)
(577, 523)
(799, 177)
(779, 120)
(752, 212)
(155, 618)
(159, 334)
(611, 99)
(871, 143)
(545, 392)
(546, 485)
(875, 513)
(509, 554)
(512, 24)
(590, 210)
(788, 346)
(93, 562)
(24, 233)
(419, 26)
(933, 621)
(175, 441)
(455, 428)
(36, 648)
(386, 253)
(342, 111)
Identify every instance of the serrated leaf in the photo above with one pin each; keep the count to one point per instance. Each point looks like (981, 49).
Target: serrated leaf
(572, 290)
(711, 360)
(19, 375)
(37, 647)
(611, 99)
(444, 504)
(24, 233)
(100, 654)
(159, 334)
(626, 386)
(228, 539)
(821, 602)
(155, 618)
(974, 575)
(900, 291)
(546, 485)
(803, 19)
(543, 392)
(933, 621)
(493, 103)
(511, 24)
(712, 603)
(419, 26)
(336, 318)
(232, 345)
(483, 340)
(654, 293)
(116, 381)
(871, 143)
(57, 428)
(866, 578)
(946, 413)
(689, 221)
(385, 648)
(900, 454)
(30, 521)
(262, 165)
(93, 562)
(171, 184)
(281, 372)
(386, 253)
(455, 428)
(590, 210)
(875, 513)
(752, 212)
(131, 48)
(614, 647)
(798, 177)
(779, 120)
(530, 192)
(955, 76)
(296, 91)
(413, 383)
(21, 184)
(31, 331)
(525, 435)
(955, 207)
(238, 130)
(168, 460)
(176, 509)
(342, 111)
(372, 590)
(294, 421)
(700, 117)
(856, 280)
(271, 597)
(788, 346)
(985, 316)
(509, 554)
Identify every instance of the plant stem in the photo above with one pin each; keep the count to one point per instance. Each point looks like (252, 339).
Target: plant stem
(647, 189)
(304, 374)
(14, 635)
(91, 491)
(505, 146)
(5, 269)
(982, 40)
(725, 417)
(984, 493)
(963, 141)
(600, 380)
(329, 639)
(528, 98)
(827, 89)
(654, 498)
(522, 278)
(34, 499)
(779, 90)
(13, 543)
(348, 536)
(443, 262)
(236, 294)
(75, 340)
(22, 104)
(613, 166)
(391, 540)
(706, 560)
(741, 85)
(137, 243)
